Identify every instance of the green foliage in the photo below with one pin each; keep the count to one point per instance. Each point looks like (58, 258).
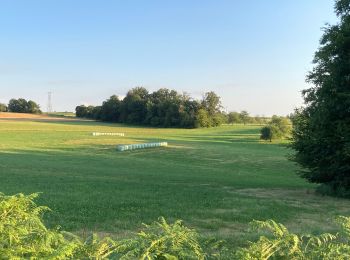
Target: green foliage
(24, 235)
(266, 133)
(244, 117)
(282, 124)
(203, 118)
(233, 118)
(110, 110)
(322, 127)
(161, 240)
(23, 106)
(277, 128)
(88, 111)
(281, 244)
(211, 103)
(33, 107)
(162, 108)
(167, 108)
(133, 107)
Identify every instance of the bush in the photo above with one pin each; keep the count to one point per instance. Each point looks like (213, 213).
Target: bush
(278, 127)
(203, 118)
(24, 235)
(161, 240)
(281, 244)
(266, 133)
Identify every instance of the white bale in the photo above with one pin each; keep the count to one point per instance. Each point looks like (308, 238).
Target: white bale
(140, 146)
(109, 134)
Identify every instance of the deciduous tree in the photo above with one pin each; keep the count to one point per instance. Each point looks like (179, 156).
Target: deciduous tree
(321, 133)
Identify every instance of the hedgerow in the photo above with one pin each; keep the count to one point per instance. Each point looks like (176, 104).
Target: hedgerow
(23, 235)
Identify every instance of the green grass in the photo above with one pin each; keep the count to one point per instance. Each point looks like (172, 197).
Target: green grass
(216, 180)
(62, 114)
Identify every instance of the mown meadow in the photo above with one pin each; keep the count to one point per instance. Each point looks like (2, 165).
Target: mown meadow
(216, 180)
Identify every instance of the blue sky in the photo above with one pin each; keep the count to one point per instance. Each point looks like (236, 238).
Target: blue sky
(254, 54)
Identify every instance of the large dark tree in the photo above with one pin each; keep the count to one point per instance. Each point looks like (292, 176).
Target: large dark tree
(110, 109)
(321, 132)
(163, 108)
(81, 111)
(23, 106)
(133, 108)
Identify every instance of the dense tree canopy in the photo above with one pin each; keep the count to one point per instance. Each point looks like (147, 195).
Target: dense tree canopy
(23, 106)
(110, 110)
(321, 133)
(162, 108)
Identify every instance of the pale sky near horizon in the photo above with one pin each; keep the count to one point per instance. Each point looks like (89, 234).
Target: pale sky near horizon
(254, 54)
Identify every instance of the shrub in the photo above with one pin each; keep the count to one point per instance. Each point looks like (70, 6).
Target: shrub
(24, 235)
(281, 244)
(161, 240)
(266, 133)
(278, 127)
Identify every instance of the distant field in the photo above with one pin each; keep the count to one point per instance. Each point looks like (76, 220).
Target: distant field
(21, 115)
(216, 180)
(51, 116)
(64, 114)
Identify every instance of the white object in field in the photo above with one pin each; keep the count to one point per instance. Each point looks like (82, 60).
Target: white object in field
(129, 147)
(98, 134)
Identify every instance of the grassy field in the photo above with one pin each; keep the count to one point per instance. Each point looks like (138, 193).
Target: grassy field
(216, 180)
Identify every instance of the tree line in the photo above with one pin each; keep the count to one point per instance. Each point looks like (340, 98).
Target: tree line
(161, 108)
(21, 105)
(165, 108)
(243, 117)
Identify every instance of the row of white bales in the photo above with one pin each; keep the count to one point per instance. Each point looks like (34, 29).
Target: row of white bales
(129, 147)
